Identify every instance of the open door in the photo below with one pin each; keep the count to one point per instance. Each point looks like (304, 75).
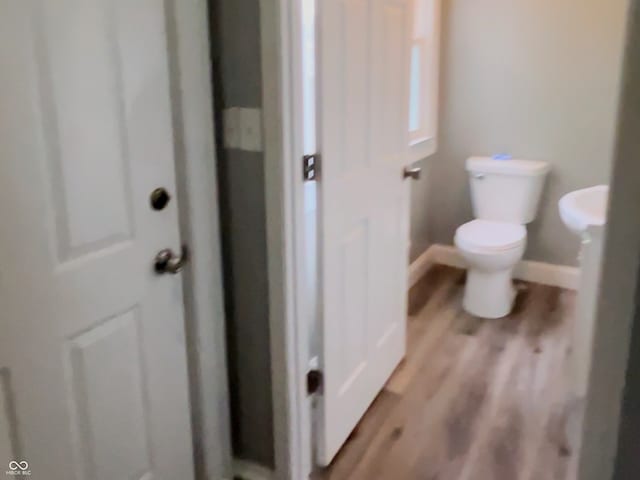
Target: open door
(363, 68)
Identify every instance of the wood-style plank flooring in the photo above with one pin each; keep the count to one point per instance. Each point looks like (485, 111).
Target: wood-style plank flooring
(473, 399)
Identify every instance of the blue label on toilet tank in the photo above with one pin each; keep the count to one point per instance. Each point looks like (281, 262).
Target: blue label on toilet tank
(502, 156)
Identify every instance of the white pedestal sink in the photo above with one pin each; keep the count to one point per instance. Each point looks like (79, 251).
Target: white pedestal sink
(585, 208)
(584, 212)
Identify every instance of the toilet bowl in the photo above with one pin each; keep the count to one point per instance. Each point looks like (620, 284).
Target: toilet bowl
(491, 250)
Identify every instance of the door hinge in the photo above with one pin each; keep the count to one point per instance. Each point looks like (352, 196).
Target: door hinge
(314, 381)
(310, 167)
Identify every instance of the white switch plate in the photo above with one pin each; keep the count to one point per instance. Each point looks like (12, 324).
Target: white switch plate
(243, 129)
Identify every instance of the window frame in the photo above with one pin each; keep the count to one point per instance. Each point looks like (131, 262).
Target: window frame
(423, 141)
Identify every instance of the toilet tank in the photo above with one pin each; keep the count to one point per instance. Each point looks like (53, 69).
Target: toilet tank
(506, 190)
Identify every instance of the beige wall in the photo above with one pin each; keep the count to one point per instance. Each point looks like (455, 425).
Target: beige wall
(537, 79)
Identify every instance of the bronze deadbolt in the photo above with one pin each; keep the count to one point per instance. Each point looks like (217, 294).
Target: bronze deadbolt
(160, 198)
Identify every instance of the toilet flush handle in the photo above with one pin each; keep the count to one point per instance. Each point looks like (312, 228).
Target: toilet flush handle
(478, 176)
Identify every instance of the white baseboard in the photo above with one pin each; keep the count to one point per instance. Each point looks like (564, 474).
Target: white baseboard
(419, 267)
(561, 276)
(251, 471)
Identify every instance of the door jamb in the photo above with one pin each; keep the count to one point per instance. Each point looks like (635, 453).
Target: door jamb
(197, 193)
(281, 44)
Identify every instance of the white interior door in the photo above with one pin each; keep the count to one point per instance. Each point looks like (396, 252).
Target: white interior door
(93, 375)
(363, 136)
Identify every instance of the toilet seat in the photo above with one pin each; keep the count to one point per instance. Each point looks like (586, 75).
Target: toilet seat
(490, 237)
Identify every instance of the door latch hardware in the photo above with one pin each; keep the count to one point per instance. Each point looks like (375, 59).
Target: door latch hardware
(310, 167)
(413, 173)
(168, 262)
(159, 198)
(314, 381)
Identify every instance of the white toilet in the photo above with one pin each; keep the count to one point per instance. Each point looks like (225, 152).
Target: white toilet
(505, 196)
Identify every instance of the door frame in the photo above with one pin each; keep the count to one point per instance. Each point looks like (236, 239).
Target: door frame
(281, 49)
(191, 86)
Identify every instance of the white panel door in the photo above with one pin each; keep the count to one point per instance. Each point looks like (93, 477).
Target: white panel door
(93, 374)
(363, 136)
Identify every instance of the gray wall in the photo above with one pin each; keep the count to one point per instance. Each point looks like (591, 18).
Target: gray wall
(627, 462)
(419, 223)
(534, 78)
(235, 28)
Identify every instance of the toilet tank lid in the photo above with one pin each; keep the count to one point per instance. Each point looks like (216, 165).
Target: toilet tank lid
(507, 167)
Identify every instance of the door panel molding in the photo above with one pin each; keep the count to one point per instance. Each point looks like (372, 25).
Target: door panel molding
(76, 337)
